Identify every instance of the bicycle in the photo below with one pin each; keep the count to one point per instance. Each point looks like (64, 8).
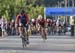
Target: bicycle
(24, 36)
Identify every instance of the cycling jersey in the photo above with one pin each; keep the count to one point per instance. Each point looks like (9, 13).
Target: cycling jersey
(23, 19)
(49, 23)
(42, 22)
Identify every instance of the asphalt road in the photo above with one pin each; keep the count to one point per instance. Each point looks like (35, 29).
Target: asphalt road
(54, 44)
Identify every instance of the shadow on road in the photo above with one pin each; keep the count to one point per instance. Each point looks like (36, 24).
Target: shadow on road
(34, 49)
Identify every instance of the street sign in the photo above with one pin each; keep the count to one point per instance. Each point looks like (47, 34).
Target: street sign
(59, 11)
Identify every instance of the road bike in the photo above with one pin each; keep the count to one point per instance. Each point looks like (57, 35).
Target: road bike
(24, 36)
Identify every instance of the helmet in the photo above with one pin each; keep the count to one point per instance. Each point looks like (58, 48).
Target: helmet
(48, 20)
(33, 20)
(40, 17)
(22, 11)
(12, 20)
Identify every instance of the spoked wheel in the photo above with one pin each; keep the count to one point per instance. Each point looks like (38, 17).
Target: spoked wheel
(23, 45)
(24, 42)
(44, 37)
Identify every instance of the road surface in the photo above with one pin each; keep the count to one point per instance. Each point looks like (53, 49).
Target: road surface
(54, 44)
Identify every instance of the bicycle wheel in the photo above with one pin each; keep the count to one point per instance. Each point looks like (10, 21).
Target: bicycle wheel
(44, 36)
(24, 40)
(24, 44)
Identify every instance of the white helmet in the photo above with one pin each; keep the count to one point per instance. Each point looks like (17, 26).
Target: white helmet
(40, 17)
(47, 19)
(12, 20)
(33, 20)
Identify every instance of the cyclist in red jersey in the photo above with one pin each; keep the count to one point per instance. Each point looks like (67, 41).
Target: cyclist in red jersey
(42, 23)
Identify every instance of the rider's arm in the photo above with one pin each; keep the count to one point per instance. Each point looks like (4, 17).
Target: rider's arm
(27, 19)
(16, 21)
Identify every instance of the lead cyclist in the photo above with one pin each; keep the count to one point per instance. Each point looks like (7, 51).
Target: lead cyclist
(21, 22)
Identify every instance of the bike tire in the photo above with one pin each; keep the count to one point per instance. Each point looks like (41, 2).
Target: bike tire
(24, 44)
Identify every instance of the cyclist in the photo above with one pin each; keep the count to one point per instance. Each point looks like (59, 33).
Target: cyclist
(49, 26)
(34, 25)
(42, 23)
(12, 27)
(22, 20)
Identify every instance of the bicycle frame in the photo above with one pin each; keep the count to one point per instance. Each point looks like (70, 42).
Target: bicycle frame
(24, 36)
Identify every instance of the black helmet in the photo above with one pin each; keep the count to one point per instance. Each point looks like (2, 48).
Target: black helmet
(22, 11)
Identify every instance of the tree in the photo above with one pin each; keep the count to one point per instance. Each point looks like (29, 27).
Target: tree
(10, 8)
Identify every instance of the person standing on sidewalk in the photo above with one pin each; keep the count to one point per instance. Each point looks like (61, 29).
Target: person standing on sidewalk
(3, 26)
(0, 27)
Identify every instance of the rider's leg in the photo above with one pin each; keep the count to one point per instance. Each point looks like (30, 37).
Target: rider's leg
(45, 33)
(27, 35)
(41, 29)
(20, 31)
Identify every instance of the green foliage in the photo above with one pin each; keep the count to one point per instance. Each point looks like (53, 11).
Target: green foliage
(10, 8)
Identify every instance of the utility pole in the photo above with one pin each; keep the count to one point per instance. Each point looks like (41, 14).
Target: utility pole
(72, 3)
(58, 4)
(65, 3)
(68, 3)
(58, 7)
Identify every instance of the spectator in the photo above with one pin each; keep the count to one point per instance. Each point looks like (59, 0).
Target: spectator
(0, 27)
(13, 27)
(3, 26)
